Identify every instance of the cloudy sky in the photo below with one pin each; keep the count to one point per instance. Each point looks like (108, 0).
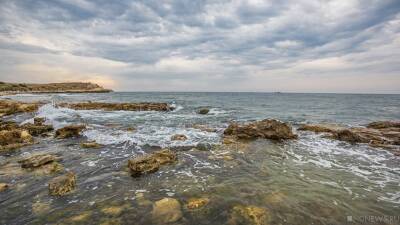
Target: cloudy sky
(204, 45)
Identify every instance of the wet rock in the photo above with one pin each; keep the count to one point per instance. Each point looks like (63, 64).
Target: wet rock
(9, 107)
(141, 200)
(38, 160)
(320, 128)
(83, 217)
(8, 125)
(150, 163)
(142, 106)
(13, 139)
(166, 210)
(249, 215)
(195, 203)
(113, 210)
(3, 187)
(131, 129)
(47, 169)
(203, 146)
(275, 198)
(179, 137)
(62, 185)
(384, 124)
(38, 121)
(204, 128)
(269, 129)
(70, 131)
(91, 144)
(203, 111)
(36, 130)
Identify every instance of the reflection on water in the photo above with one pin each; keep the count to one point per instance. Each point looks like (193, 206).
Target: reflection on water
(307, 181)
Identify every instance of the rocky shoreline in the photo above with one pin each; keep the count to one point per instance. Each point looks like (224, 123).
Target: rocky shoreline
(70, 87)
(380, 134)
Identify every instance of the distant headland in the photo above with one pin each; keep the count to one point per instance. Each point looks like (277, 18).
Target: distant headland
(68, 87)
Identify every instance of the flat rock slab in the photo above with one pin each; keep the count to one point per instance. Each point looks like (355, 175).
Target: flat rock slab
(150, 163)
(142, 106)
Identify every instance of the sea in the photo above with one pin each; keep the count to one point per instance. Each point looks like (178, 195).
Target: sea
(311, 180)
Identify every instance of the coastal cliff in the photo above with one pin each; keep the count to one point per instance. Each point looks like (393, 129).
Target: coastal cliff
(70, 87)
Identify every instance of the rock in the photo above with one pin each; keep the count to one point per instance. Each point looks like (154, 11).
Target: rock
(203, 111)
(249, 215)
(131, 129)
(195, 203)
(47, 169)
(40, 208)
(319, 128)
(90, 145)
(3, 187)
(62, 185)
(150, 163)
(81, 217)
(142, 106)
(69, 131)
(113, 210)
(36, 130)
(141, 200)
(16, 138)
(9, 107)
(8, 125)
(269, 129)
(166, 210)
(203, 146)
(178, 137)
(37, 160)
(204, 128)
(384, 124)
(38, 121)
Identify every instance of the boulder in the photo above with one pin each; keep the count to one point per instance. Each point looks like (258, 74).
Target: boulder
(203, 111)
(179, 137)
(91, 144)
(13, 139)
(150, 163)
(141, 106)
(269, 129)
(62, 185)
(38, 160)
(37, 129)
(69, 131)
(166, 210)
(3, 187)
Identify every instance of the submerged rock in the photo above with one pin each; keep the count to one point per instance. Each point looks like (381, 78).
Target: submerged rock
(179, 137)
(91, 144)
(141, 106)
(69, 131)
(3, 187)
(150, 163)
(166, 210)
(203, 111)
(38, 160)
(195, 203)
(269, 129)
(40, 208)
(9, 107)
(13, 139)
(62, 185)
(248, 215)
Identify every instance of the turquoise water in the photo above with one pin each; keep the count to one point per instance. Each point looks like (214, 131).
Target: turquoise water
(311, 180)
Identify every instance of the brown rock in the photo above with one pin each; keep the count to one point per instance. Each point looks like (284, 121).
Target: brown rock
(195, 203)
(142, 106)
(9, 107)
(166, 210)
(178, 137)
(204, 128)
(3, 187)
(38, 160)
(90, 145)
(203, 111)
(62, 185)
(69, 131)
(36, 130)
(319, 128)
(269, 129)
(12, 139)
(150, 163)
(38, 121)
(384, 124)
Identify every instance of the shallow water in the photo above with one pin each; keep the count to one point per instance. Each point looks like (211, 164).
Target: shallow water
(311, 180)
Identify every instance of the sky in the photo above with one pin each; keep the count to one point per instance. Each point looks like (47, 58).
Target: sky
(324, 46)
